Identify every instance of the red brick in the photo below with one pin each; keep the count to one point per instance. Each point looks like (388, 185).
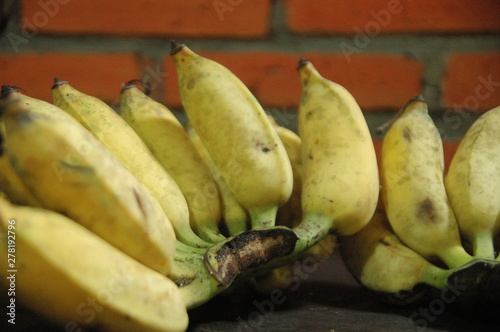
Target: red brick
(472, 81)
(402, 16)
(377, 81)
(195, 18)
(100, 75)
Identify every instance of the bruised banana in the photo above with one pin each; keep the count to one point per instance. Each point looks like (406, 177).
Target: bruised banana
(65, 271)
(109, 128)
(340, 184)
(237, 133)
(383, 264)
(473, 184)
(168, 141)
(69, 171)
(413, 188)
(234, 216)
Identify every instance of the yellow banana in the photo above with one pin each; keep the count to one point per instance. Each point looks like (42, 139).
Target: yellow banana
(473, 183)
(68, 170)
(413, 187)
(102, 121)
(290, 214)
(237, 133)
(340, 184)
(382, 263)
(168, 141)
(234, 215)
(10, 182)
(68, 274)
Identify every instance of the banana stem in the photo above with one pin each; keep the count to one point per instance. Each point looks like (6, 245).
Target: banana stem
(210, 232)
(313, 228)
(455, 256)
(236, 226)
(482, 244)
(263, 218)
(187, 236)
(435, 276)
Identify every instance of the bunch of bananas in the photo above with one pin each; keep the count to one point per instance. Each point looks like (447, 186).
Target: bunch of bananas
(124, 220)
(432, 232)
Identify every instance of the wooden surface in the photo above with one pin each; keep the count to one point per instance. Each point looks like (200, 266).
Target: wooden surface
(324, 298)
(329, 299)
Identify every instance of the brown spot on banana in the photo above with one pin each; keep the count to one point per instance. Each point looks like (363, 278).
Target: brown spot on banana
(407, 134)
(139, 202)
(426, 210)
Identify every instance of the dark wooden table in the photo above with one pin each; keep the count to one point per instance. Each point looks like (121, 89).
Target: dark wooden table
(324, 298)
(328, 299)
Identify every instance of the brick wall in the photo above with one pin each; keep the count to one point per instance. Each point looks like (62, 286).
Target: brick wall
(383, 51)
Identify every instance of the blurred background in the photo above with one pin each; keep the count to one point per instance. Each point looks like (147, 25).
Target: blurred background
(383, 51)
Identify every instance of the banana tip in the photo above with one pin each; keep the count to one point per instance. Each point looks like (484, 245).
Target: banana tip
(175, 47)
(420, 97)
(8, 89)
(58, 82)
(302, 62)
(135, 84)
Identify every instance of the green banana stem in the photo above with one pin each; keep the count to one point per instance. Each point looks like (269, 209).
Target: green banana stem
(210, 232)
(263, 218)
(313, 228)
(482, 244)
(188, 236)
(236, 226)
(435, 276)
(455, 256)
(201, 287)
(191, 275)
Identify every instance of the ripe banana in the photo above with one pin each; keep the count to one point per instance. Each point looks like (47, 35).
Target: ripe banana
(290, 215)
(167, 139)
(237, 133)
(234, 215)
(69, 171)
(473, 184)
(413, 187)
(10, 182)
(103, 122)
(73, 277)
(340, 184)
(382, 263)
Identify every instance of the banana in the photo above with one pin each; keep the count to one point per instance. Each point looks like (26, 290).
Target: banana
(413, 187)
(234, 215)
(340, 184)
(10, 182)
(69, 171)
(383, 264)
(76, 279)
(103, 122)
(164, 135)
(473, 183)
(237, 133)
(290, 214)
